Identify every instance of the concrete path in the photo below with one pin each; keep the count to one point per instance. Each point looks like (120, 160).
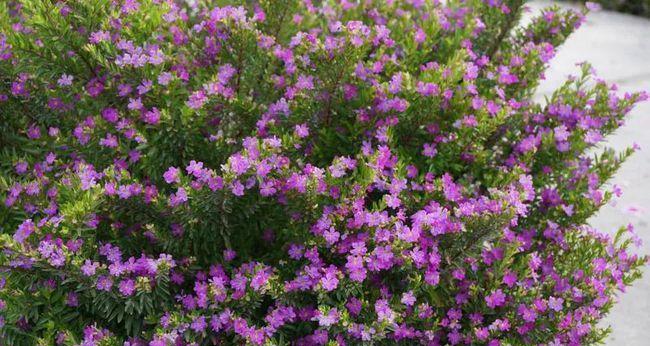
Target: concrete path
(618, 46)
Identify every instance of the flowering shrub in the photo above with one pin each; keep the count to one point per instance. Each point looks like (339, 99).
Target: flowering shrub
(301, 172)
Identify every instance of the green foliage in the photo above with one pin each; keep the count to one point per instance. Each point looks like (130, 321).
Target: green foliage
(302, 172)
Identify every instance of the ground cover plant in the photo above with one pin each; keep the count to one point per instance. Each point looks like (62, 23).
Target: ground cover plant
(302, 173)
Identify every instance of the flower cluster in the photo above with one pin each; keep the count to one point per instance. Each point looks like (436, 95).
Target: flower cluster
(302, 172)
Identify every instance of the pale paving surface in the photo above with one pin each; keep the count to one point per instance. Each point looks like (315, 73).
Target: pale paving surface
(618, 46)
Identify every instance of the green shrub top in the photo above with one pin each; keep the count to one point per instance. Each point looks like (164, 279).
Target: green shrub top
(301, 173)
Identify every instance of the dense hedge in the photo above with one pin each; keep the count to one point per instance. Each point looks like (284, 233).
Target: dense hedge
(302, 172)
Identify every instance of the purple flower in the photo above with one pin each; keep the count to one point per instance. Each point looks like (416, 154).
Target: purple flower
(555, 304)
(237, 188)
(408, 298)
(65, 80)
(197, 99)
(239, 164)
(135, 104)
(225, 73)
(164, 78)
(110, 115)
(260, 279)
(593, 137)
(510, 278)
(152, 117)
(495, 299)
(126, 287)
(25, 229)
(330, 280)
(451, 190)
(72, 299)
(229, 254)
(526, 313)
(198, 324)
(429, 150)
(305, 82)
(395, 85)
(354, 306)
(104, 283)
(194, 168)
(172, 175)
(89, 267)
(178, 198)
(593, 6)
(384, 312)
(99, 36)
(301, 130)
(327, 319)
